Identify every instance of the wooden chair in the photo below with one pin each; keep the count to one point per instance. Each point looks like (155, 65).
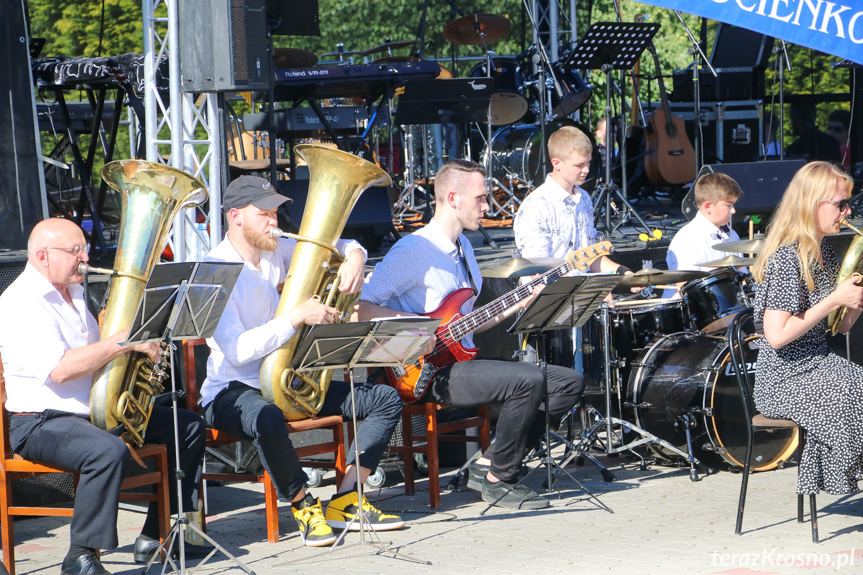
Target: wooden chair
(215, 437)
(756, 421)
(435, 433)
(13, 467)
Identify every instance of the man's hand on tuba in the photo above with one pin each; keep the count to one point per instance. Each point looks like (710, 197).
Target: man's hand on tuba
(313, 312)
(352, 272)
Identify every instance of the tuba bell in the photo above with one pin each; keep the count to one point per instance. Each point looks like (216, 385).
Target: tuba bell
(336, 181)
(151, 194)
(852, 264)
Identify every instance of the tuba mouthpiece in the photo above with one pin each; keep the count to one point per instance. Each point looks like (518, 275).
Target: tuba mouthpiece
(277, 233)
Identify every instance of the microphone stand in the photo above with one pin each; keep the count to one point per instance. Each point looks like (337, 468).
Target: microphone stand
(782, 52)
(697, 53)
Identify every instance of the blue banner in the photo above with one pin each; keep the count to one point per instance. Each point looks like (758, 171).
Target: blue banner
(833, 27)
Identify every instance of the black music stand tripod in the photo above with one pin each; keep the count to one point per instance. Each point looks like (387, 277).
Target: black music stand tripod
(376, 343)
(565, 303)
(611, 46)
(183, 301)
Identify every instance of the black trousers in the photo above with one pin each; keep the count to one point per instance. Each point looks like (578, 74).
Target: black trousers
(241, 411)
(71, 441)
(520, 387)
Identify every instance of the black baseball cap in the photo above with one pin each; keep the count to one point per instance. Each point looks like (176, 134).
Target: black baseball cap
(253, 190)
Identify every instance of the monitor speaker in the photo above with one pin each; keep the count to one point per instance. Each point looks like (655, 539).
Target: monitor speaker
(763, 184)
(223, 45)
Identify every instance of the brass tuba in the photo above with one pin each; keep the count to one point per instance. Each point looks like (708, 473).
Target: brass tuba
(852, 264)
(152, 194)
(337, 180)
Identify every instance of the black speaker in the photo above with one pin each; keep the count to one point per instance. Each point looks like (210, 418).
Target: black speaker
(223, 45)
(23, 202)
(11, 266)
(368, 223)
(763, 184)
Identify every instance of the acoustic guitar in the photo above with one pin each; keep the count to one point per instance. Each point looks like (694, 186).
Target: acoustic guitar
(671, 157)
(412, 381)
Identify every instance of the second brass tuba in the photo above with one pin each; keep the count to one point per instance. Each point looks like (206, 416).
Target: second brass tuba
(336, 181)
(852, 264)
(152, 194)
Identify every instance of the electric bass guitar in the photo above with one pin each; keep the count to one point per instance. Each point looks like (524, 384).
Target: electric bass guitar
(671, 157)
(412, 381)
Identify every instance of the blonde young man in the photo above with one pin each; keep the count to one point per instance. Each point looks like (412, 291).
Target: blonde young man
(249, 330)
(557, 217)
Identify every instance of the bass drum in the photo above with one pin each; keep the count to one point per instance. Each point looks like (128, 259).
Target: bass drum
(516, 153)
(691, 374)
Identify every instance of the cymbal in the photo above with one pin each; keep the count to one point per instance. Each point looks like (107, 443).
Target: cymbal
(733, 261)
(445, 74)
(293, 58)
(345, 53)
(386, 46)
(388, 59)
(520, 267)
(753, 246)
(476, 28)
(653, 277)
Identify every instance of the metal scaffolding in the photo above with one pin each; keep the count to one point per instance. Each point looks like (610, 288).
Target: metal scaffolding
(555, 22)
(183, 132)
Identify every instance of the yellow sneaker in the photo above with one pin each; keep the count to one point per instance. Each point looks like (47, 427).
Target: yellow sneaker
(313, 527)
(343, 508)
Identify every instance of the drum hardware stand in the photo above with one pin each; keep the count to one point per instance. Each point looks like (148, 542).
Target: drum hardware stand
(563, 304)
(183, 301)
(609, 46)
(608, 423)
(697, 54)
(406, 202)
(370, 344)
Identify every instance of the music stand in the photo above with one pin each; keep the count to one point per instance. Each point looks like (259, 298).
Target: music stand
(183, 300)
(376, 343)
(566, 303)
(611, 46)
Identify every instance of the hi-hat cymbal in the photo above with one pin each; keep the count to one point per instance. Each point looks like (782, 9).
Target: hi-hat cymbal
(293, 58)
(343, 53)
(477, 28)
(753, 246)
(388, 59)
(386, 46)
(652, 277)
(733, 261)
(520, 267)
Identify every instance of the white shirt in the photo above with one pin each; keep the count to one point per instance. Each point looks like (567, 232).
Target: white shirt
(420, 270)
(551, 222)
(693, 244)
(249, 329)
(37, 329)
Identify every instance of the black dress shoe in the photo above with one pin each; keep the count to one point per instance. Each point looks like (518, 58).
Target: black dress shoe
(87, 564)
(145, 548)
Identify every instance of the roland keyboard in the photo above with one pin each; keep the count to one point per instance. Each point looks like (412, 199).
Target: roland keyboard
(359, 80)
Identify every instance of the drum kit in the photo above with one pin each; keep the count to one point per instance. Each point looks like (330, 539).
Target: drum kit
(524, 109)
(664, 367)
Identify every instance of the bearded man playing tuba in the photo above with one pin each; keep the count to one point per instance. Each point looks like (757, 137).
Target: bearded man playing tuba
(249, 330)
(50, 346)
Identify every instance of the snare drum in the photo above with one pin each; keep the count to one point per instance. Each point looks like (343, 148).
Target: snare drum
(575, 91)
(714, 300)
(508, 101)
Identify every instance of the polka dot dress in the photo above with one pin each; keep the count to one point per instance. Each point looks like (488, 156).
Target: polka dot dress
(806, 382)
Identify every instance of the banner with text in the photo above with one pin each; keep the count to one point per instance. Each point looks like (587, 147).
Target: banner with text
(831, 27)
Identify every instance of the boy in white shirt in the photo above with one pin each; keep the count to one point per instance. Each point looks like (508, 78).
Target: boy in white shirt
(715, 196)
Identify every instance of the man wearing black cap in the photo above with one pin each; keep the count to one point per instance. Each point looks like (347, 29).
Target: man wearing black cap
(249, 330)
